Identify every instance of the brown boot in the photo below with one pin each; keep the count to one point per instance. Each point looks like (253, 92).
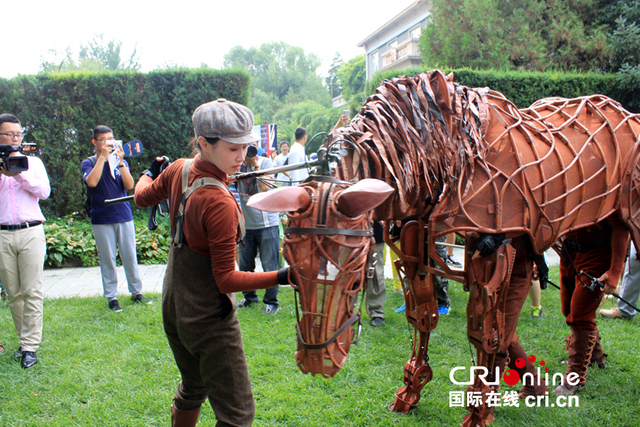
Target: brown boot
(580, 353)
(180, 418)
(535, 387)
(598, 357)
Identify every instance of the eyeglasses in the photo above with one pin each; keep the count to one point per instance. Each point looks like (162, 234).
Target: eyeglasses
(104, 139)
(12, 135)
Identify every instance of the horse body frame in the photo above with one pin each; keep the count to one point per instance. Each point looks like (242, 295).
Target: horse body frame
(560, 165)
(467, 161)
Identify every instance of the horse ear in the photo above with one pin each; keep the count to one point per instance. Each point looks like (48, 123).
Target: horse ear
(442, 90)
(285, 199)
(363, 196)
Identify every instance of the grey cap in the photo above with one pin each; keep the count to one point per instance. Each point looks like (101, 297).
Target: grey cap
(226, 120)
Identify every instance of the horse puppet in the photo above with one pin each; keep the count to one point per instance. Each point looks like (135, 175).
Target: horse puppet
(441, 158)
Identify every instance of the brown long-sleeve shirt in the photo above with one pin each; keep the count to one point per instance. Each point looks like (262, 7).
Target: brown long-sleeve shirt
(210, 221)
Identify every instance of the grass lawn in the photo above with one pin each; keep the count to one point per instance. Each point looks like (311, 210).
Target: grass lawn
(99, 368)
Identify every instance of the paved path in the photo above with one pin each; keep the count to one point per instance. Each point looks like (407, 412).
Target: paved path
(87, 282)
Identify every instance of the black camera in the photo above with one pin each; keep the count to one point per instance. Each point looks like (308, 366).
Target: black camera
(14, 164)
(252, 151)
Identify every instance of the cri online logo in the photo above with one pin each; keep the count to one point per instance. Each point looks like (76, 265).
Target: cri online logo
(511, 376)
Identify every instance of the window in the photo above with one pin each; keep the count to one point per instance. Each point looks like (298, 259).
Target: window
(374, 62)
(415, 32)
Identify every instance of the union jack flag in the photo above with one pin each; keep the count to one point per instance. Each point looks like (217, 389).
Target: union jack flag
(268, 137)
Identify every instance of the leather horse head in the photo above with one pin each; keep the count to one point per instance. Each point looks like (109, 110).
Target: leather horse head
(327, 243)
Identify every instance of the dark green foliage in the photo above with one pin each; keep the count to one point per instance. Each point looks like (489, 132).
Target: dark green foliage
(58, 112)
(524, 88)
(70, 241)
(515, 34)
(352, 75)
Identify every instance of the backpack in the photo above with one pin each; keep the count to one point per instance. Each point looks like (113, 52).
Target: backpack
(87, 202)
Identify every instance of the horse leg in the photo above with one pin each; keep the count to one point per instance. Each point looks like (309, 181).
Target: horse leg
(417, 372)
(422, 313)
(487, 280)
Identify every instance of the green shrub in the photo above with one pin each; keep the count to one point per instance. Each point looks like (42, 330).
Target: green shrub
(70, 241)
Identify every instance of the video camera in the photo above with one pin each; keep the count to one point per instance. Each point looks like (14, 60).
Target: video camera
(15, 164)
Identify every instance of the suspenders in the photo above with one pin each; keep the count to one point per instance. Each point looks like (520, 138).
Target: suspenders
(178, 236)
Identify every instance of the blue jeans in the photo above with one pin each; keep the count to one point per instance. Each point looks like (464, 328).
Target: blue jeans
(267, 240)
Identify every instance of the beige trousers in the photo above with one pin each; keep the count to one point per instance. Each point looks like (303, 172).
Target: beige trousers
(22, 255)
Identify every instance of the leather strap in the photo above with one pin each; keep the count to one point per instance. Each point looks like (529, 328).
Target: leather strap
(353, 319)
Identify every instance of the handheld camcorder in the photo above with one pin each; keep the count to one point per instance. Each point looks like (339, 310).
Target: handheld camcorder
(252, 151)
(15, 164)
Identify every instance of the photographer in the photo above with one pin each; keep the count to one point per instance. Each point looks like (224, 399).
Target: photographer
(22, 242)
(113, 227)
(262, 232)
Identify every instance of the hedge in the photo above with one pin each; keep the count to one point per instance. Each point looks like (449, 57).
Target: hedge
(524, 88)
(58, 112)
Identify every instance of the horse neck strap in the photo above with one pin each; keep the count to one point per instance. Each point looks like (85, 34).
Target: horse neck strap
(187, 190)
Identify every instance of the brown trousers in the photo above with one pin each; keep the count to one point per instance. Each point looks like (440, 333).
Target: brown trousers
(204, 335)
(516, 296)
(579, 304)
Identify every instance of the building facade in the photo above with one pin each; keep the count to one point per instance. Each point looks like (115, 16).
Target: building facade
(395, 45)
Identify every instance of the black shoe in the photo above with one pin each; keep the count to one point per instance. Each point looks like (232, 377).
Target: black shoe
(245, 303)
(29, 359)
(18, 353)
(270, 309)
(377, 321)
(115, 306)
(451, 260)
(140, 299)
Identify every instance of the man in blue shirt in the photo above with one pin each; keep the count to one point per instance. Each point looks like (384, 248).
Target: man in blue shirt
(113, 227)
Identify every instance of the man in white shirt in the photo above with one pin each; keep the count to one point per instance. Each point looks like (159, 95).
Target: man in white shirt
(298, 155)
(283, 179)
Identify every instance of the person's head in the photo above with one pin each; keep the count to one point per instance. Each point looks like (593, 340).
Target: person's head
(10, 130)
(223, 130)
(284, 147)
(301, 135)
(101, 134)
(274, 154)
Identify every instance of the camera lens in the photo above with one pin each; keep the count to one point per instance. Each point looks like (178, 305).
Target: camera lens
(252, 151)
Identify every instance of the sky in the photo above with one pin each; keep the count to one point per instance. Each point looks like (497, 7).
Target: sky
(187, 33)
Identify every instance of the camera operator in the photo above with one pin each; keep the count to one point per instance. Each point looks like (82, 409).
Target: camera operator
(113, 226)
(22, 242)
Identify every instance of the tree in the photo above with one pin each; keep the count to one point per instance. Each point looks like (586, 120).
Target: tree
(281, 75)
(333, 80)
(353, 76)
(624, 39)
(312, 116)
(97, 55)
(457, 38)
(523, 34)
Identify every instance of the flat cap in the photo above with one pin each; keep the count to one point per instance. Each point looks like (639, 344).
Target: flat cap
(227, 120)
